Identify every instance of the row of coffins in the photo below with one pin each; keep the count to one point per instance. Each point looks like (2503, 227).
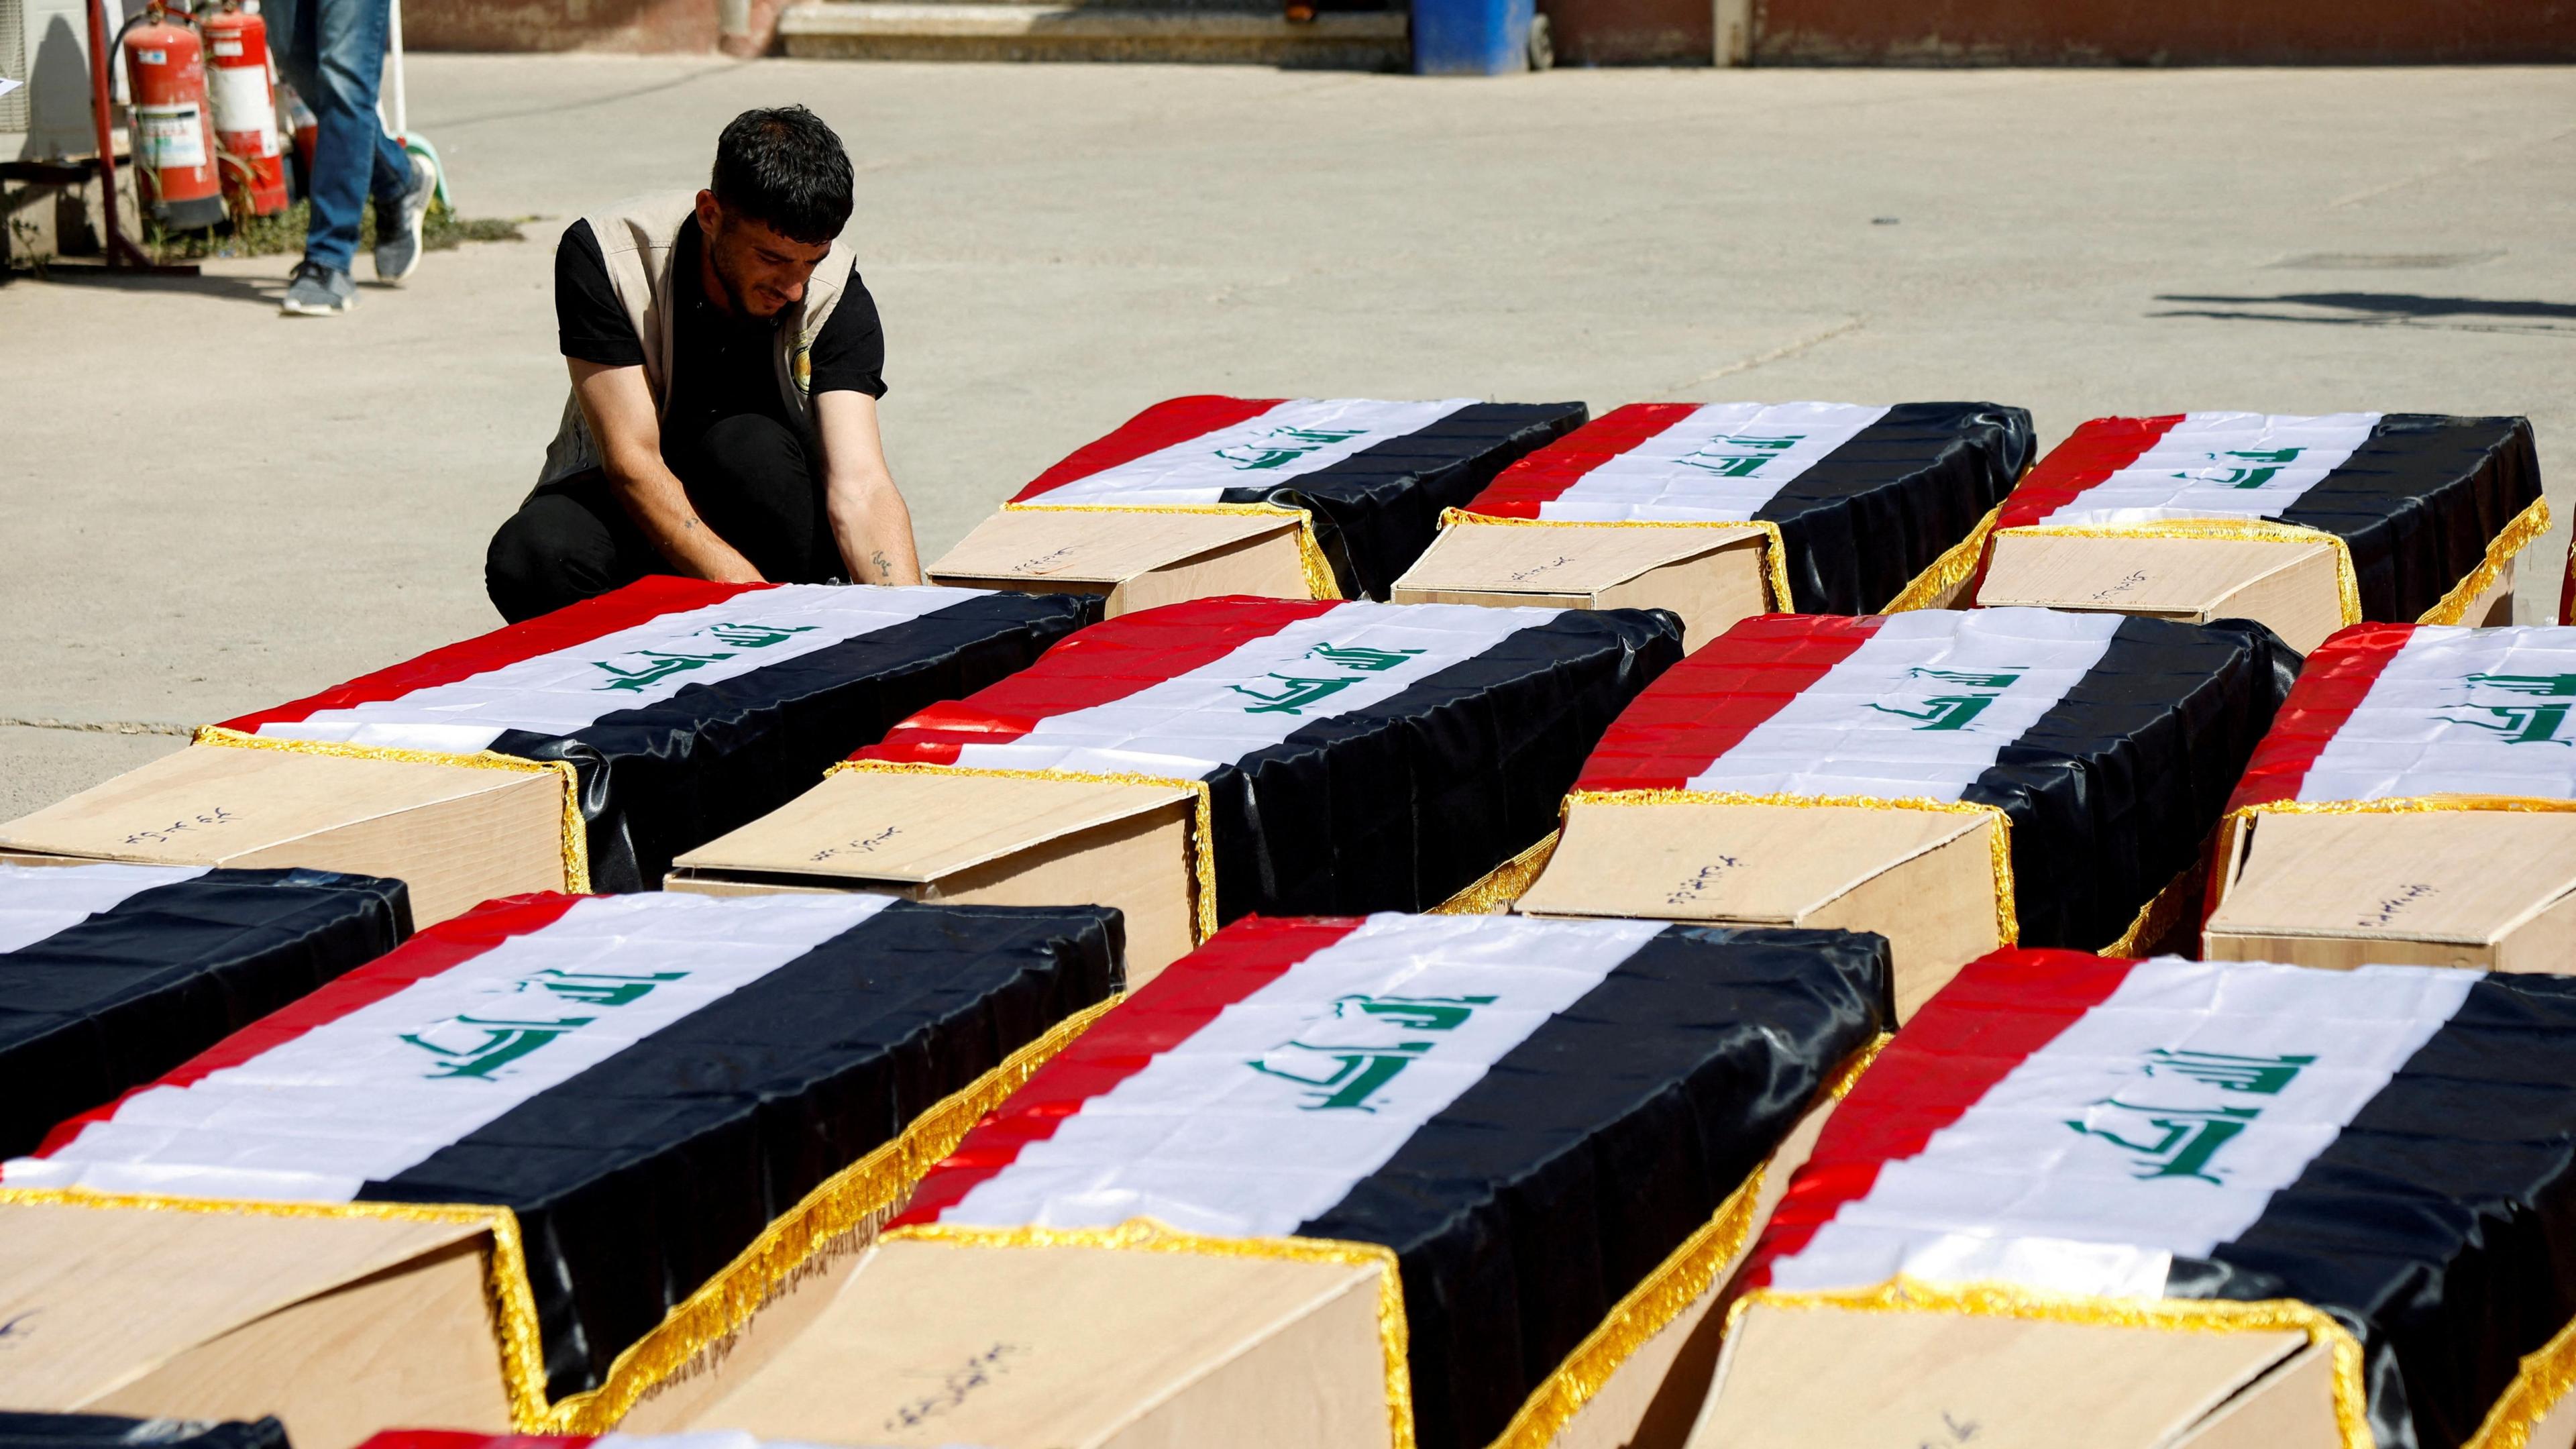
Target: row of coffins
(1956, 780)
(1717, 511)
(1445, 1181)
(562, 1162)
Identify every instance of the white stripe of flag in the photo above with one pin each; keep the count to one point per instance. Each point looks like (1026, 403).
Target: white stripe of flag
(37, 901)
(569, 689)
(1303, 435)
(1720, 464)
(363, 1097)
(1344, 659)
(2223, 465)
(1920, 709)
(1230, 1133)
(2460, 712)
(2157, 1126)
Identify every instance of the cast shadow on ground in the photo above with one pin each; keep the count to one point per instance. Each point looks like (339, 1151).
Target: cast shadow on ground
(2381, 309)
(263, 290)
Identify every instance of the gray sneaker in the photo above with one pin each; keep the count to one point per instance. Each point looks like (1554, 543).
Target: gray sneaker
(314, 290)
(398, 254)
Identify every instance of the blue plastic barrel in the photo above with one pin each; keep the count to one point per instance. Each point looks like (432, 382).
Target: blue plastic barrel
(1471, 37)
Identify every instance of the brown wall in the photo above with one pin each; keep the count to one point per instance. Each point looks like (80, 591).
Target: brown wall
(2076, 32)
(628, 26)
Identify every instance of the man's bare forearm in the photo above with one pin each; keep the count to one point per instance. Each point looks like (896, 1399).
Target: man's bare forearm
(873, 529)
(870, 523)
(652, 495)
(619, 407)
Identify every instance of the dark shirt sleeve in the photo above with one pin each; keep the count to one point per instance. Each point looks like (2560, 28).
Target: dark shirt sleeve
(849, 355)
(590, 326)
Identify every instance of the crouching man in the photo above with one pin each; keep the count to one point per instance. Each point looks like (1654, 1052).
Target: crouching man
(726, 365)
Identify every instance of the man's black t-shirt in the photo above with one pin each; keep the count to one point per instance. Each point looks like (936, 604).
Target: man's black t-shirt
(721, 364)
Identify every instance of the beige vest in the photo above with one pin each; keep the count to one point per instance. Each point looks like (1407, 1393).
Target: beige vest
(637, 238)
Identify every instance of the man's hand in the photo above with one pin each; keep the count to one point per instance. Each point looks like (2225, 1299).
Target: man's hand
(620, 408)
(869, 520)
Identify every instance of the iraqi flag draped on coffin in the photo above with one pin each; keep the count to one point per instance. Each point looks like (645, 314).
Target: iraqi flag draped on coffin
(2427, 715)
(2108, 743)
(2422, 505)
(686, 708)
(112, 974)
(1534, 1116)
(1862, 500)
(1371, 476)
(1355, 756)
(646, 1081)
(2388, 1146)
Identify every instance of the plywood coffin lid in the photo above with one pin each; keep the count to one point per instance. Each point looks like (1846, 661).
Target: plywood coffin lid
(106, 1295)
(1564, 558)
(208, 804)
(2175, 577)
(2467, 877)
(1765, 864)
(1991, 1382)
(919, 828)
(1072, 1345)
(1095, 546)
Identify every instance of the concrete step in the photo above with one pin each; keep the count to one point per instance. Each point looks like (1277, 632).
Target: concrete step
(987, 30)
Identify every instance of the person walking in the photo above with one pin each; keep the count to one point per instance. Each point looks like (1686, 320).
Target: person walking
(333, 53)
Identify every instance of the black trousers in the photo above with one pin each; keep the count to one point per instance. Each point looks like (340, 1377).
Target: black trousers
(751, 478)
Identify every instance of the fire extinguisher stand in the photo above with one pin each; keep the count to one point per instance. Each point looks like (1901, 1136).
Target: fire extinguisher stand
(119, 252)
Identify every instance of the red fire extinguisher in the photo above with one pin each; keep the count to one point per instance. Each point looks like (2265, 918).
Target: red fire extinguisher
(245, 111)
(174, 137)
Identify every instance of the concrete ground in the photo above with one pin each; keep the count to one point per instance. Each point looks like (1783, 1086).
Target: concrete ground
(205, 508)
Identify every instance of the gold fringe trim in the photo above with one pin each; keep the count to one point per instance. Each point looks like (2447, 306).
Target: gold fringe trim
(1650, 1307)
(854, 1200)
(2169, 1315)
(2161, 912)
(1504, 884)
(1145, 1235)
(576, 834)
(1998, 843)
(2347, 582)
(1647, 1310)
(505, 1275)
(1321, 583)
(1203, 823)
(2527, 525)
(2546, 1376)
(1951, 569)
(1775, 549)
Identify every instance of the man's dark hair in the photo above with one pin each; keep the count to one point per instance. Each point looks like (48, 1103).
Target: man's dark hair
(784, 167)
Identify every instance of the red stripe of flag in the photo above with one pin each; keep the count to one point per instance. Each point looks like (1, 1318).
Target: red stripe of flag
(1999, 1010)
(1099, 665)
(448, 944)
(640, 602)
(2331, 686)
(1175, 1006)
(1705, 706)
(1161, 426)
(2091, 454)
(1543, 476)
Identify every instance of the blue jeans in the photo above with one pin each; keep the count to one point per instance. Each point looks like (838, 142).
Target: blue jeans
(333, 52)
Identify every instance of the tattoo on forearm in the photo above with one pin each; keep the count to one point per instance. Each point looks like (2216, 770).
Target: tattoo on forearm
(884, 570)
